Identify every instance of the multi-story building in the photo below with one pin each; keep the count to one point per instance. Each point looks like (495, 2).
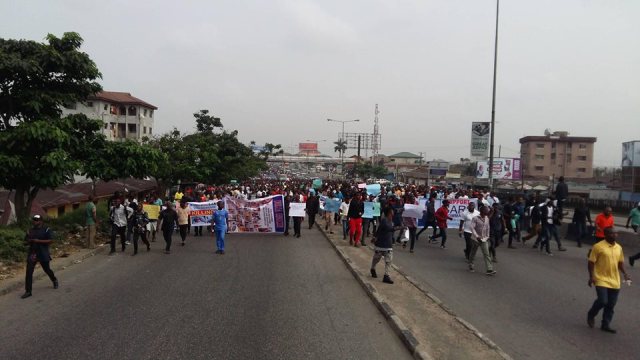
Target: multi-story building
(557, 154)
(124, 116)
(630, 177)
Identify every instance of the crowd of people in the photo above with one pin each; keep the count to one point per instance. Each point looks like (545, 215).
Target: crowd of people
(484, 224)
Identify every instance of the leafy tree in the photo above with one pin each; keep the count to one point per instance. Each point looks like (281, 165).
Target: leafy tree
(206, 123)
(38, 147)
(367, 170)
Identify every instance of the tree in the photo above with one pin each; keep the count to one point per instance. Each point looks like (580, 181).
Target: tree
(341, 147)
(206, 123)
(39, 148)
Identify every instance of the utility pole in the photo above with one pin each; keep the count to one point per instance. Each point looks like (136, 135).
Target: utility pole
(493, 98)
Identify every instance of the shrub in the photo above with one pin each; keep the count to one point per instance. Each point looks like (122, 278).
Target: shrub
(12, 244)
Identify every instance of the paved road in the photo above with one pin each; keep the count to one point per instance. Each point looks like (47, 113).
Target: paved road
(269, 297)
(535, 308)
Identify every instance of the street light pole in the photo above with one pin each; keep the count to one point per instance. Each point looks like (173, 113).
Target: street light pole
(493, 99)
(342, 138)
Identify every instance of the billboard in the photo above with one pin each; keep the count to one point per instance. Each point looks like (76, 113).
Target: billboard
(631, 153)
(503, 168)
(308, 147)
(480, 136)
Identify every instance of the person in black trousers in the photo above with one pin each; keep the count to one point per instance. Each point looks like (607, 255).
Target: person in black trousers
(169, 219)
(39, 237)
(140, 221)
(287, 201)
(312, 208)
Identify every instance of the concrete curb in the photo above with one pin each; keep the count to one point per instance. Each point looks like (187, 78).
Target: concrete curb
(405, 335)
(18, 282)
(460, 320)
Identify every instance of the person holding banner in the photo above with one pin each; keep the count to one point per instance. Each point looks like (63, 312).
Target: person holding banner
(219, 226)
(429, 217)
(442, 215)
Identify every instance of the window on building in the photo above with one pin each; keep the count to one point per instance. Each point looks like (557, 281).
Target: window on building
(569, 145)
(144, 112)
(568, 158)
(150, 131)
(582, 170)
(540, 145)
(553, 145)
(539, 157)
(132, 128)
(151, 113)
(122, 110)
(60, 210)
(90, 104)
(582, 158)
(144, 130)
(106, 107)
(582, 146)
(132, 111)
(539, 168)
(70, 105)
(553, 156)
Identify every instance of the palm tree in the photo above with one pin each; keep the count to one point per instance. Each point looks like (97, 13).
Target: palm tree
(341, 147)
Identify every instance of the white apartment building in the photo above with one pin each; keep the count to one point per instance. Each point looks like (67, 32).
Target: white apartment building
(124, 116)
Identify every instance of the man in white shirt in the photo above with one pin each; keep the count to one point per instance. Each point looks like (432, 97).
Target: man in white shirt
(465, 227)
(119, 215)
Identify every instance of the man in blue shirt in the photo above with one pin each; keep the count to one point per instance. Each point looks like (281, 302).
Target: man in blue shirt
(39, 237)
(219, 226)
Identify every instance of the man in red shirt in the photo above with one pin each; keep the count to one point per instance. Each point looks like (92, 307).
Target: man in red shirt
(603, 221)
(442, 215)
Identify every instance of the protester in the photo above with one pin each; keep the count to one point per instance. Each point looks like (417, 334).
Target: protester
(497, 227)
(297, 220)
(634, 218)
(606, 262)
(481, 230)
(220, 226)
(466, 227)
(442, 215)
(344, 215)
(561, 194)
(429, 217)
(312, 208)
(550, 216)
(169, 221)
(39, 237)
(411, 224)
(287, 201)
(119, 215)
(183, 220)
(356, 209)
(603, 221)
(140, 221)
(383, 242)
(581, 215)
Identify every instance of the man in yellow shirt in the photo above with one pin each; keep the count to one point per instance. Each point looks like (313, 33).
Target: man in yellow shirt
(606, 262)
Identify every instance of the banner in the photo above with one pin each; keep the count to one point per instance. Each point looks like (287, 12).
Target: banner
(371, 209)
(330, 205)
(373, 189)
(503, 168)
(456, 209)
(631, 153)
(153, 211)
(264, 215)
(297, 209)
(480, 136)
(201, 213)
(413, 211)
(317, 183)
(362, 186)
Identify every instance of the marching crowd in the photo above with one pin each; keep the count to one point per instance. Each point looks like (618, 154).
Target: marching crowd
(483, 224)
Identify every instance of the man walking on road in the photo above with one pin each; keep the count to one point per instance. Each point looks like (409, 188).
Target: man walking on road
(634, 218)
(606, 262)
(169, 219)
(312, 208)
(220, 225)
(581, 215)
(384, 245)
(481, 230)
(119, 215)
(465, 223)
(140, 221)
(442, 215)
(39, 237)
(183, 220)
(603, 221)
(356, 209)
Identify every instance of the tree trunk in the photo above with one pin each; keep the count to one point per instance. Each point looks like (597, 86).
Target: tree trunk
(23, 201)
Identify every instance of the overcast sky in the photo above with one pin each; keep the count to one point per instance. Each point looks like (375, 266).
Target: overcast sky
(275, 70)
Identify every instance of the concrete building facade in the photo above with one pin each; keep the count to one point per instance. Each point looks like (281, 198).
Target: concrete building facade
(556, 155)
(124, 116)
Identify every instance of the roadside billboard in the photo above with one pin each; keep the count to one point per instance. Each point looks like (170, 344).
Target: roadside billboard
(480, 134)
(503, 168)
(631, 153)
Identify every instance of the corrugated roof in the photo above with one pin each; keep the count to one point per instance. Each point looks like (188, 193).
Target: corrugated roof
(527, 139)
(120, 98)
(405, 155)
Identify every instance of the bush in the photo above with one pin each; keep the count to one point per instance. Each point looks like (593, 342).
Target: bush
(69, 222)
(12, 244)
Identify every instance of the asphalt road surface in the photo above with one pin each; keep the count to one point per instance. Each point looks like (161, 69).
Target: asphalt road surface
(269, 297)
(536, 306)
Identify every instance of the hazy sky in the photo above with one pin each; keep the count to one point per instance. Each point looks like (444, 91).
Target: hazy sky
(276, 70)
